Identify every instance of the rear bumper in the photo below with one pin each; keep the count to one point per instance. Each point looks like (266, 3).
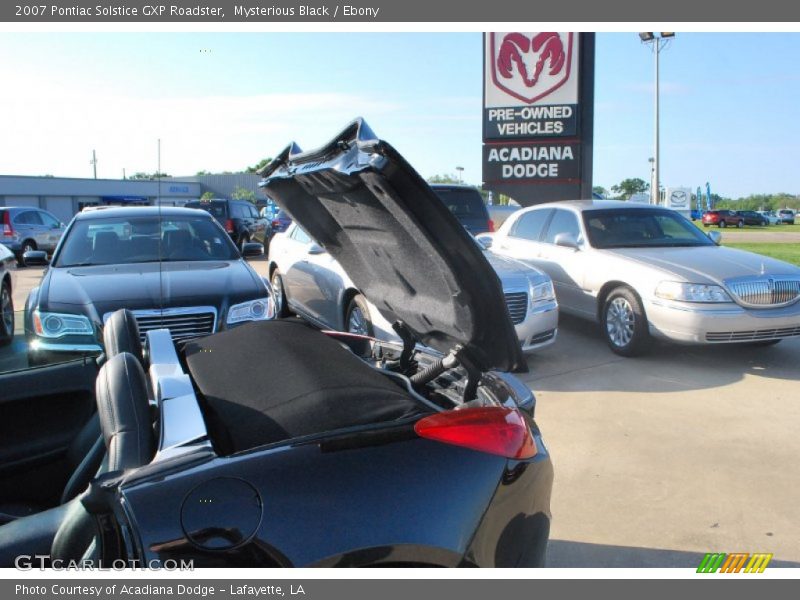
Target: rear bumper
(716, 324)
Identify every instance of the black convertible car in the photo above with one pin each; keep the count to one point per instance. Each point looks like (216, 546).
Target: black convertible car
(276, 444)
(173, 267)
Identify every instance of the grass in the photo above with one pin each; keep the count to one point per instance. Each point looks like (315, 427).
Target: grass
(786, 252)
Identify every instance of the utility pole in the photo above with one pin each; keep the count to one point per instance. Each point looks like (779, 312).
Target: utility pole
(658, 43)
(93, 162)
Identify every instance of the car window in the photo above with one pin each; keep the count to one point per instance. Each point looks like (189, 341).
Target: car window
(641, 228)
(128, 240)
(29, 217)
(49, 220)
(217, 209)
(530, 225)
(301, 236)
(254, 212)
(563, 221)
(464, 202)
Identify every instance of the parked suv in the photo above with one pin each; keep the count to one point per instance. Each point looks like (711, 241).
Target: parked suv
(240, 219)
(722, 218)
(466, 203)
(786, 215)
(24, 228)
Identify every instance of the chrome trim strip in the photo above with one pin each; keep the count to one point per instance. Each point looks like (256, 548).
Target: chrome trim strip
(50, 347)
(183, 428)
(697, 310)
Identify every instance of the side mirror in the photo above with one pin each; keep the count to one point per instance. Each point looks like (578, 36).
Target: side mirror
(715, 237)
(567, 240)
(35, 258)
(253, 249)
(316, 249)
(485, 241)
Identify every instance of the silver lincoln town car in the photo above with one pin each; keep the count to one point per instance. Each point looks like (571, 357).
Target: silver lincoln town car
(644, 271)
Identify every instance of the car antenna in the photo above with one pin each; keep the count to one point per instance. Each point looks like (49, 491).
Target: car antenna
(160, 243)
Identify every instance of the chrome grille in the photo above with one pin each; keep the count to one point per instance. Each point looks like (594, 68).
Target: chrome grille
(765, 291)
(517, 303)
(183, 323)
(754, 335)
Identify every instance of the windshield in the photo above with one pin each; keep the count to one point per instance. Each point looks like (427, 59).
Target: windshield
(641, 228)
(126, 240)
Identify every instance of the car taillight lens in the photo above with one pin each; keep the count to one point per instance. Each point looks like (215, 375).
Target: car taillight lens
(229, 225)
(491, 429)
(7, 228)
(491, 226)
(276, 223)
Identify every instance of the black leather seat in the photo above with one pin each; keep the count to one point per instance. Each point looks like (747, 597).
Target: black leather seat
(121, 334)
(128, 438)
(86, 452)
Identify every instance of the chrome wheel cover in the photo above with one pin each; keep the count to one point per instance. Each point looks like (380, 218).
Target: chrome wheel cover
(357, 322)
(7, 311)
(620, 322)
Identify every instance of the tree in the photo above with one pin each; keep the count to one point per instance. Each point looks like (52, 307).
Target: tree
(240, 193)
(443, 179)
(143, 175)
(258, 166)
(207, 196)
(628, 187)
(599, 189)
(201, 173)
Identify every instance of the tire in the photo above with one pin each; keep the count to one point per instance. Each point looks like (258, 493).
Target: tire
(26, 246)
(740, 224)
(281, 309)
(6, 314)
(356, 317)
(705, 224)
(624, 322)
(723, 224)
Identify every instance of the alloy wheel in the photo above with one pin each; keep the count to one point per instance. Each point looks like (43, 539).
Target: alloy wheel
(277, 288)
(620, 322)
(6, 310)
(357, 322)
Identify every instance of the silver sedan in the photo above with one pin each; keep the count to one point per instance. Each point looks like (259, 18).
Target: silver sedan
(309, 282)
(645, 271)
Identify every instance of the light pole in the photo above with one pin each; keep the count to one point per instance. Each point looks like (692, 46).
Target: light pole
(658, 43)
(460, 174)
(652, 160)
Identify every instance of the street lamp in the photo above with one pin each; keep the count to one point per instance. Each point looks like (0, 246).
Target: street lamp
(460, 174)
(651, 160)
(658, 43)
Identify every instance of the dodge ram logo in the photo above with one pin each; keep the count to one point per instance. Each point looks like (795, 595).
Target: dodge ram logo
(529, 66)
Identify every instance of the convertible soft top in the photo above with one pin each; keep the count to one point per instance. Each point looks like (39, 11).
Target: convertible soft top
(274, 380)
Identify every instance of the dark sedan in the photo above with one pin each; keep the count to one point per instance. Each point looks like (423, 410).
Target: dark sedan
(173, 267)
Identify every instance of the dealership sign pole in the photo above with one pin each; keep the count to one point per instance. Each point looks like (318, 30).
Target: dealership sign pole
(538, 115)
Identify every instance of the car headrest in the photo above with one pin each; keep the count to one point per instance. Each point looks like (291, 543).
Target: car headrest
(121, 392)
(179, 239)
(105, 242)
(121, 334)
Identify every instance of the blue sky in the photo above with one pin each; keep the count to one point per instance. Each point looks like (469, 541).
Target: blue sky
(224, 101)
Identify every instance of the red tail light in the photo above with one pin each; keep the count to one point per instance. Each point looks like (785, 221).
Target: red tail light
(7, 228)
(229, 226)
(491, 226)
(276, 223)
(492, 429)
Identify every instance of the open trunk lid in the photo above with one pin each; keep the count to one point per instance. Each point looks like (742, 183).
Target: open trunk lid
(360, 199)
